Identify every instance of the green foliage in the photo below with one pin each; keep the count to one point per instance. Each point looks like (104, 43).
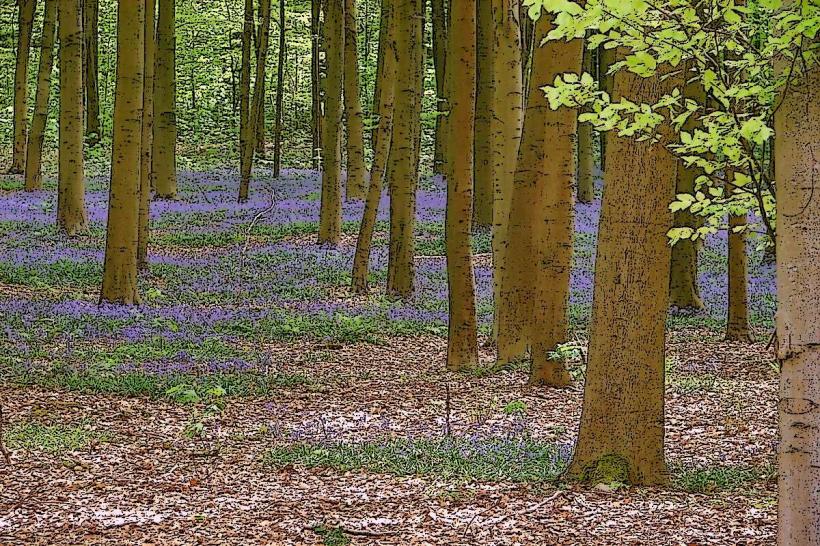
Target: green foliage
(728, 50)
(332, 536)
(722, 478)
(52, 439)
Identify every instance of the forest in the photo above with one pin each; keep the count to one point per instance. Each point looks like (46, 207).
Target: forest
(480, 272)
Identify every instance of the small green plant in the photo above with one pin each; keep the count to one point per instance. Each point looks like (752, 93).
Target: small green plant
(722, 478)
(516, 407)
(53, 439)
(213, 399)
(332, 536)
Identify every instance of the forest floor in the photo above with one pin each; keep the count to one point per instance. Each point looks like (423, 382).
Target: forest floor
(253, 400)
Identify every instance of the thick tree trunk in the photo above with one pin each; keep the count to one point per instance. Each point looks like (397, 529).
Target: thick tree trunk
(462, 345)
(330, 214)
(122, 236)
(91, 84)
(404, 151)
(621, 435)
(535, 287)
(356, 185)
(797, 150)
(165, 118)
(506, 129)
(71, 214)
(315, 84)
(361, 261)
(246, 161)
(34, 148)
(586, 146)
(439, 15)
(280, 94)
(25, 19)
(484, 111)
(146, 164)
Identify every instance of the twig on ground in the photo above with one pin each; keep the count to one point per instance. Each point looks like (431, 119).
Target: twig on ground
(447, 430)
(249, 230)
(496, 521)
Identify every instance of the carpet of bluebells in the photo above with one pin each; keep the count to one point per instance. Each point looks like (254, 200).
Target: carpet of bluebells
(225, 277)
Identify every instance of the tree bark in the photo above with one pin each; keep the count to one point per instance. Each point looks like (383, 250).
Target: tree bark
(91, 82)
(280, 93)
(737, 320)
(122, 235)
(621, 434)
(25, 19)
(586, 146)
(34, 148)
(245, 82)
(484, 164)
(361, 261)
(165, 121)
(404, 151)
(797, 150)
(330, 214)
(147, 144)
(315, 84)
(356, 184)
(71, 214)
(439, 15)
(535, 287)
(462, 344)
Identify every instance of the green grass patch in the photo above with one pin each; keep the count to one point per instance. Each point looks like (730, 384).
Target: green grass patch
(53, 439)
(487, 460)
(722, 478)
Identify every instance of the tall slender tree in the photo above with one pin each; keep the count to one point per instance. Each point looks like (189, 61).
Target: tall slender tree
(462, 344)
(356, 185)
(122, 235)
(25, 19)
(797, 149)
(315, 82)
(71, 213)
(586, 145)
(737, 319)
(330, 214)
(535, 291)
(387, 74)
(246, 163)
(245, 83)
(506, 127)
(34, 148)
(280, 94)
(484, 164)
(165, 117)
(621, 434)
(439, 20)
(404, 151)
(147, 143)
(91, 10)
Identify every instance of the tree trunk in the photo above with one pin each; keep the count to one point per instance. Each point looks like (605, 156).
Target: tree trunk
(330, 215)
(165, 120)
(439, 15)
(621, 434)
(147, 133)
(120, 269)
(91, 84)
(361, 261)
(25, 19)
(245, 85)
(737, 320)
(506, 129)
(462, 342)
(586, 147)
(71, 214)
(535, 291)
(484, 111)
(34, 148)
(527, 30)
(683, 277)
(315, 84)
(797, 150)
(246, 162)
(356, 185)
(404, 151)
(606, 58)
(280, 93)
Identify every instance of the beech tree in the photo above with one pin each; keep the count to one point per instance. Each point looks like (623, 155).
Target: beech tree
(534, 293)
(91, 81)
(586, 146)
(484, 180)
(439, 22)
(71, 213)
(797, 148)
(147, 137)
(330, 214)
(404, 151)
(122, 234)
(165, 120)
(280, 94)
(462, 341)
(245, 135)
(384, 132)
(355, 186)
(25, 18)
(315, 83)
(34, 148)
